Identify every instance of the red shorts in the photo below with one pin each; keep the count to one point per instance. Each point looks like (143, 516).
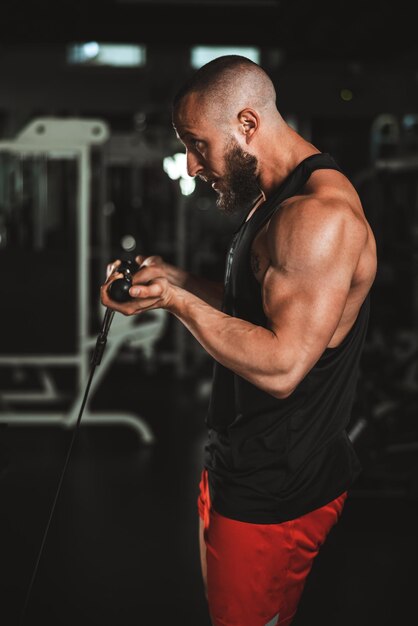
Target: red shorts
(256, 572)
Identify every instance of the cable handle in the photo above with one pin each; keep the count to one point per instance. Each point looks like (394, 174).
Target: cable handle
(119, 289)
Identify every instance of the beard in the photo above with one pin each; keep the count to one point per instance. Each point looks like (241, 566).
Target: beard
(239, 187)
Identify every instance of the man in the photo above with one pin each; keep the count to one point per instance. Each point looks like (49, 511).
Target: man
(285, 330)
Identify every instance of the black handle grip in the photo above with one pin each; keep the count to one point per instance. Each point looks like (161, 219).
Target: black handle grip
(119, 289)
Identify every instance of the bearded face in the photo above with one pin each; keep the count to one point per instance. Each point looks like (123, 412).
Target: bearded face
(238, 188)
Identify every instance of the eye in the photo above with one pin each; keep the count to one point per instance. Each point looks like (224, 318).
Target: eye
(198, 144)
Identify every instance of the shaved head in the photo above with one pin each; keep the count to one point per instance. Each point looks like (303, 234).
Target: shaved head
(228, 84)
(223, 113)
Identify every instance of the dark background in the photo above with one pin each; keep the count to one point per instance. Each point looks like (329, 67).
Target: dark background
(122, 546)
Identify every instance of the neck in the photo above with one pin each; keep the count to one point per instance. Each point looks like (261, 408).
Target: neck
(284, 153)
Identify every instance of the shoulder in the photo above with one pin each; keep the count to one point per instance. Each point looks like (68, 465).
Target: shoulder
(317, 223)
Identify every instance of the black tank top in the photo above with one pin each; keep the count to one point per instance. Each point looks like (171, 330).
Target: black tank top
(270, 460)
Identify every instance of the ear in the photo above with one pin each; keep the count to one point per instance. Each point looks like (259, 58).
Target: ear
(249, 121)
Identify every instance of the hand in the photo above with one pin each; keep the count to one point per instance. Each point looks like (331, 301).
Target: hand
(150, 289)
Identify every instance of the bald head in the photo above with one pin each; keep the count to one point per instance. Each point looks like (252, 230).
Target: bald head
(226, 117)
(228, 84)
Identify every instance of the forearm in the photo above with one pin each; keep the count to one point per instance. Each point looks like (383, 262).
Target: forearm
(209, 291)
(250, 351)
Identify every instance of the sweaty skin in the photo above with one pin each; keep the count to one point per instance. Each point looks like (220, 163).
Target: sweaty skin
(315, 259)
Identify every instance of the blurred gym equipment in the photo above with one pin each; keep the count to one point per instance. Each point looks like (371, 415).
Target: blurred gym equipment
(387, 403)
(52, 308)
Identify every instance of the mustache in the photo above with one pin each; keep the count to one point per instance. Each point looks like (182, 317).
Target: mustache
(206, 178)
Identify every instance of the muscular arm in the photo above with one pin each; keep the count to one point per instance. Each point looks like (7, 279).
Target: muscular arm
(314, 251)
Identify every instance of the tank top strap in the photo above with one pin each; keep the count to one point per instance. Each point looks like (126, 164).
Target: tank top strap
(292, 184)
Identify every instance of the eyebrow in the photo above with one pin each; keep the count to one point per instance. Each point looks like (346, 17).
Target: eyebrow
(187, 135)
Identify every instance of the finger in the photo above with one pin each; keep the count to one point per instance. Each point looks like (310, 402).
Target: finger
(124, 308)
(140, 259)
(105, 299)
(146, 274)
(111, 268)
(104, 293)
(112, 276)
(151, 260)
(146, 291)
(133, 307)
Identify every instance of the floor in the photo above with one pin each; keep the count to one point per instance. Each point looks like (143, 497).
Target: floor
(122, 546)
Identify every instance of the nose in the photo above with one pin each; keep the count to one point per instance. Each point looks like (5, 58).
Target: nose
(194, 165)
